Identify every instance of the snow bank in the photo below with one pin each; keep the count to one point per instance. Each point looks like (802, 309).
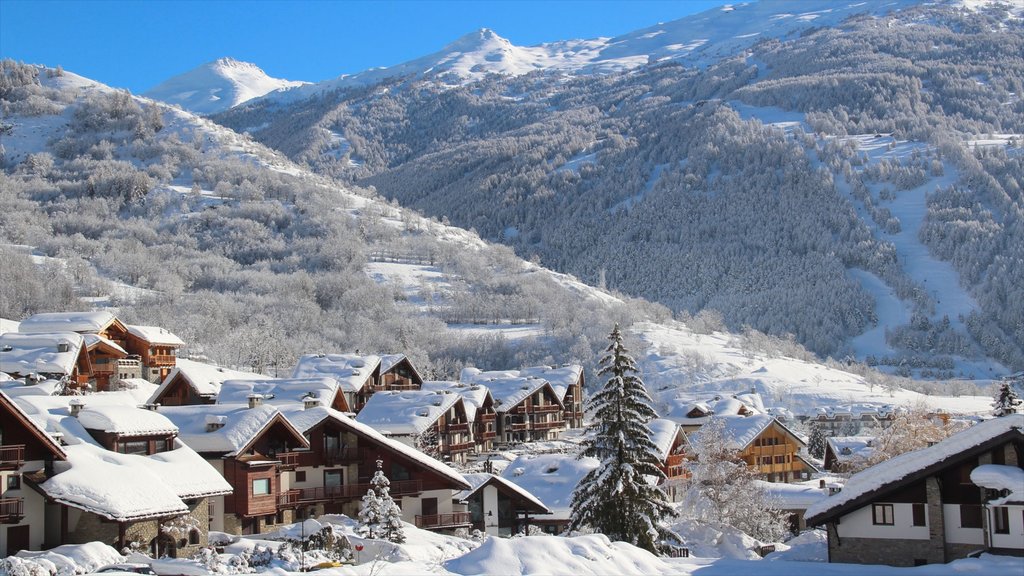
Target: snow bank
(582, 555)
(72, 558)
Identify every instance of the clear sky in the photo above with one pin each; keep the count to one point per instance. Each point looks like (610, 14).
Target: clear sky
(138, 44)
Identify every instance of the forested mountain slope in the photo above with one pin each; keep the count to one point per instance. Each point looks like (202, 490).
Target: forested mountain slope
(756, 185)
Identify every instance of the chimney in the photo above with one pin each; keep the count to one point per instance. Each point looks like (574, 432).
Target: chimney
(151, 407)
(214, 422)
(62, 347)
(255, 400)
(309, 402)
(821, 484)
(76, 405)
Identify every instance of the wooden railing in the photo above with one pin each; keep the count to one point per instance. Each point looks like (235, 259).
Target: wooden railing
(343, 492)
(460, 427)
(12, 510)
(288, 459)
(12, 456)
(549, 425)
(461, 446)
(452, 520)
(162, 360)
(547, 408)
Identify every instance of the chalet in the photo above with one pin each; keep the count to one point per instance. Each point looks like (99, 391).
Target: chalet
(109, 361)
(479, 406)
(848, 453)
(124, 480)
(527, 408)
(927, 506)
(695, 414)
(851, 419)
(567, 382)
(156, 347)
(59, 355)
(191, 383)
(26, 450)
(434, 422)
(357, 375)
(398, 373)
(668, 437)
(551, 478)
(334, 474)
(253, 446)
(767, 444)
(498, 507)
(286, 392)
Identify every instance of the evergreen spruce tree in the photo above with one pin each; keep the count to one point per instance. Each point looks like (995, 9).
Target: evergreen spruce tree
(380, 516)
(1006, 401)
(616, 498)
(816, 443)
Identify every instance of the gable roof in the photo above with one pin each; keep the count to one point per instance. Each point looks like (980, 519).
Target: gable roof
(560, 377)
(507, 387)
(39, 353)
(406, 412)
(849, 448)
(93, 341)
(306, 420)
(389, 361)
(125, 420)
(910, 467)
(91, 322)
(474, 396)
(351, 371)
(664, 433)
(741, 431)
(242, 426)
(204, 379)
(552, 478)
(155, 335)
(481, 480)
(279, 392)
(32, 425)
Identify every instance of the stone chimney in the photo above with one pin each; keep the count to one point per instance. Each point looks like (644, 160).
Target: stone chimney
(152, 407)
(309, 402)
(255, 400)
(215, 422)
(76, 405)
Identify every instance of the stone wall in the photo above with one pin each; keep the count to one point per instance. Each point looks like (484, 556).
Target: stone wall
(880, 551)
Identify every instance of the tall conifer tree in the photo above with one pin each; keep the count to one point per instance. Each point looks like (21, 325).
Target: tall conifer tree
(618, 498)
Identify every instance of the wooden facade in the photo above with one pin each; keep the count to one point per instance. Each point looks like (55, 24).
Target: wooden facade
(538, 416)
(401, 375)
(774, 452)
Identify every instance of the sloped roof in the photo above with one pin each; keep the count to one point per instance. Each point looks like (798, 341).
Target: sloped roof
(551, 478)
(560, 377)
(241, 426)
(35, 426)
(664, 433)
(912, 466)
(125, 420)
(352, 371)
(507, 389)
(39, 353)
(66, 322)
(205, 379)
(480, 480)
(859, 447)
(406, 412)
(155, 335)
(305, 420)
(474, 396)
(94, 340)
(279, 392)
(1001, 477)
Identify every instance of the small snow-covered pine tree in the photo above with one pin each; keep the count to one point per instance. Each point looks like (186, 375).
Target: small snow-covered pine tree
(380, 516)
(1006, 401)
(617, 499)
(816, 443)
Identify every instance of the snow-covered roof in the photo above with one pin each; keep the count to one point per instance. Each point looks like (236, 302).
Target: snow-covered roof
(305, 420)
(721, 404)
(93, 340)
(66, 322)
(8, 325)
(849, 448)
(474, 396)
(131, 487)
(560, 377)
(406, 412)
(552, 478)
(44, 353)
(794, 496)
(740, 431)
(155, 335)
(279, 391)
(38, 426)
(241, 425)
(352, 371)
(912, 465)
(478, 481)
(205, 379)
(507, 387)
(1001, 477)
(858, 411)
(125, 420)
(664, 433)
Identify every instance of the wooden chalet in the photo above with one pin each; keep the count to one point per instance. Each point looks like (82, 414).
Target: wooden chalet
(334, 475)
(763, 442)
(157, 349)
(499, 507)
(109, 361)
(567, 381)
(933, 505)
(192, 383)
(434, 422)
(358, 376)
(398, 373)
(57, 356)
(527, 407)
(26, 451)
(479, 406)
(672, 444)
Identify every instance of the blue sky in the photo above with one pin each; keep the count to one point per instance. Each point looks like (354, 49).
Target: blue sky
(136, 44)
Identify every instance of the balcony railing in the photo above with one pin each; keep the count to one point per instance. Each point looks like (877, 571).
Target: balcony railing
(434, 521)
(12, 456)
(461, 447)
(288, 460)
(162, 360)
(344, 492)
(547, 408)
(549, 425)
(12, 510)
(341, 455)
(459, 427)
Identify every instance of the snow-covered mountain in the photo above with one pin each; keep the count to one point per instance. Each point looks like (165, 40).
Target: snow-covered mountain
(217, 86)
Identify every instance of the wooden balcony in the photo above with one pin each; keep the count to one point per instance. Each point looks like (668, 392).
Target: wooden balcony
(292, 498)
(519, 426)
(439, 521)
(487, 435)
(461, 447)
(12, 456)
(288, 460)
(162, 360)
(488, 417)
(546, 408)
(460, 427)
(549, 425)
(12, 510)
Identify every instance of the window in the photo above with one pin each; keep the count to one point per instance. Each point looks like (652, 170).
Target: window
(1001, 516)
(780, 459)
(133, 447)
(766, 460)
(193, 537)
(14, 482)
(970, 516)
(300, 475)
(261, 486)
(919, 515)
(882, 514)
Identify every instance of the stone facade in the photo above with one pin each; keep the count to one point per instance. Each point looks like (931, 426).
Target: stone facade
(88, 527)
(879, 551)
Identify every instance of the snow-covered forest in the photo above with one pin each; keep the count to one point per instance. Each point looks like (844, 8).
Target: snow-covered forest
(789, 226)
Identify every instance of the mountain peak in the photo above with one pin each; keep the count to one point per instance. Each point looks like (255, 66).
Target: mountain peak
(218, 85)
(482, 39)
